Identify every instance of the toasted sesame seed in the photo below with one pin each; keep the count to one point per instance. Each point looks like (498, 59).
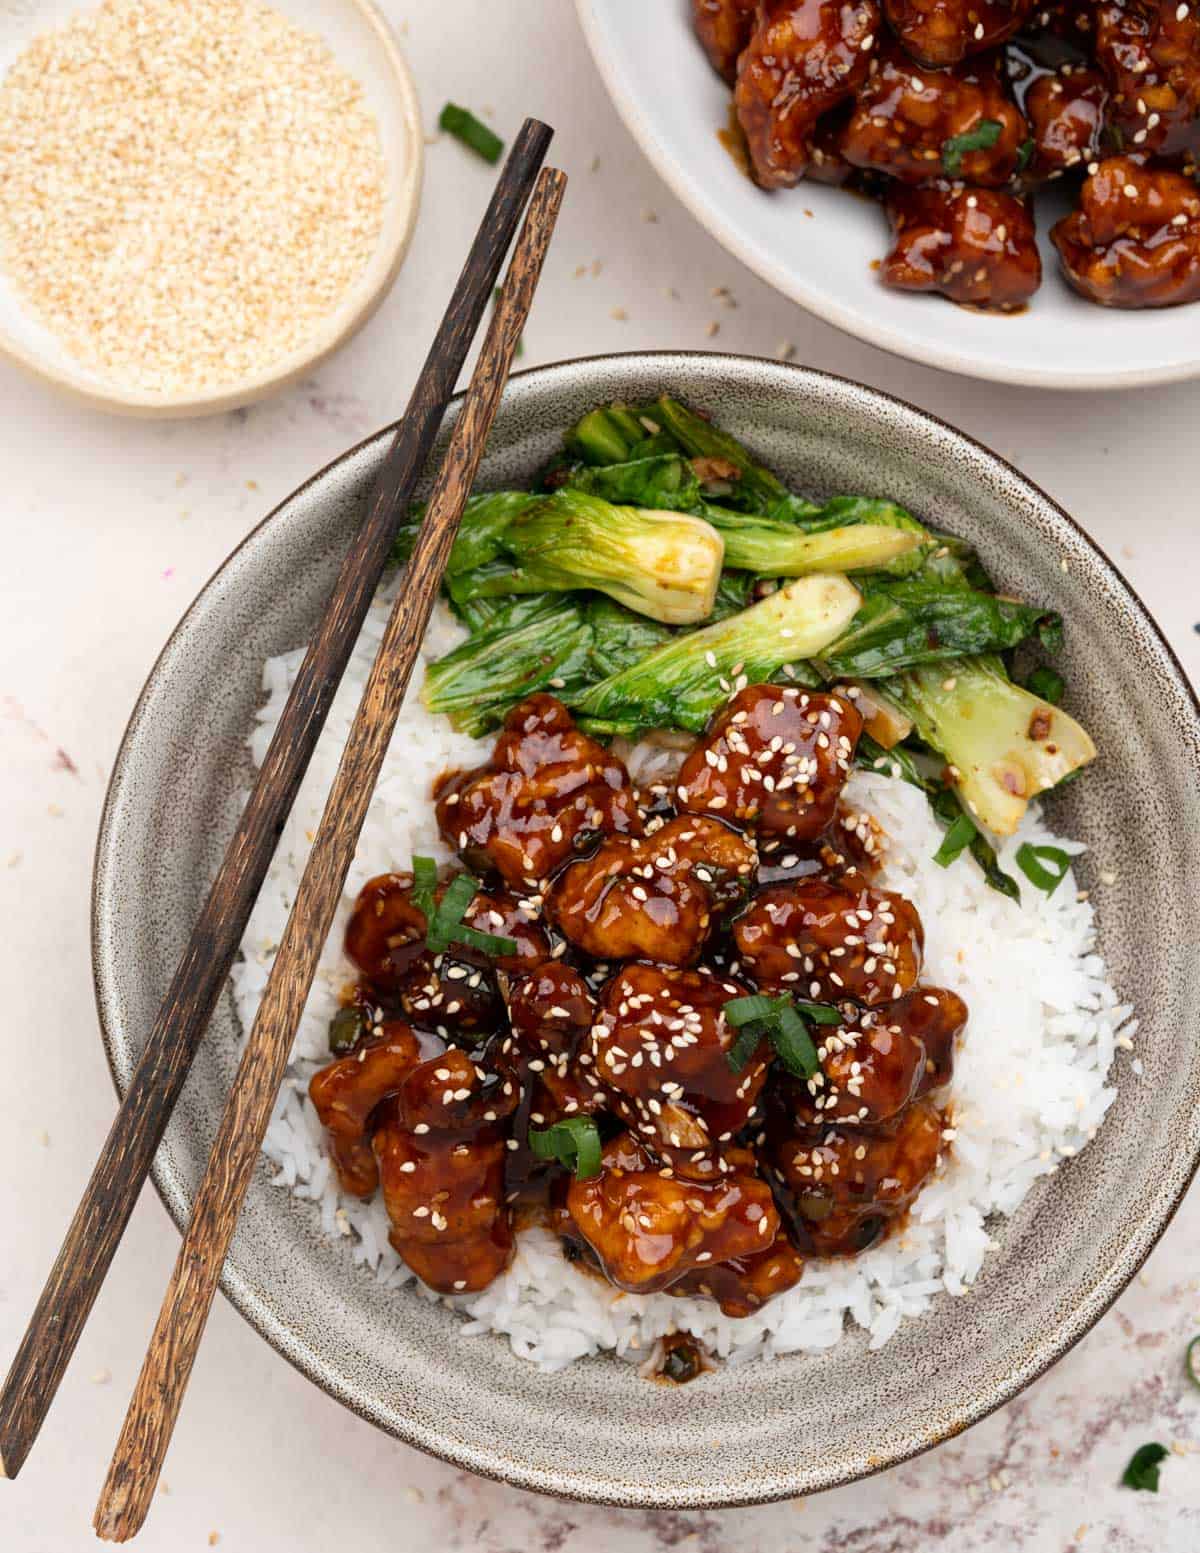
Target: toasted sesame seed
(226, 188)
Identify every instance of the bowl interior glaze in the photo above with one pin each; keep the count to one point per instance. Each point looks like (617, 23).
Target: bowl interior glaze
(791, 1426)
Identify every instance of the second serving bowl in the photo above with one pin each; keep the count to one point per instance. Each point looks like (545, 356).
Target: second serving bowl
(816, 245)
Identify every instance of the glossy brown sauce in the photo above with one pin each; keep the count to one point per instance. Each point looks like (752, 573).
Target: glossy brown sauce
(635, 917)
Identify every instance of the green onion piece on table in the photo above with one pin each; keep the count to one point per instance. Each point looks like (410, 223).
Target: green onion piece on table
(464, 126)
(1191, 1362)
(574, 1143)
(1143, 1468)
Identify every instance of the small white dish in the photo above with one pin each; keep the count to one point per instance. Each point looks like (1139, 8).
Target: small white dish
(363, 45)
(816, 244)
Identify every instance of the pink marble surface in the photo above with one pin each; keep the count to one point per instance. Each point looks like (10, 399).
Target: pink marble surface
(110, 527)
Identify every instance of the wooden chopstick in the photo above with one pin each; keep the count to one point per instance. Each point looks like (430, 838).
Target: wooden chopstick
(127, 1493)
(124, 1161)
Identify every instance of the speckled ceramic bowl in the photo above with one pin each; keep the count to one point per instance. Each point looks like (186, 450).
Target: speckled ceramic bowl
(790, 1426)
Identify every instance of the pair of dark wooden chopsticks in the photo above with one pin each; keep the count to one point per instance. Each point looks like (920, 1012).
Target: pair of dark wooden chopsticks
(125, 1159)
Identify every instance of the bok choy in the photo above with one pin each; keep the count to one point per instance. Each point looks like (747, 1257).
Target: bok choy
(1002, 744)
(666, 565)
(682, 682)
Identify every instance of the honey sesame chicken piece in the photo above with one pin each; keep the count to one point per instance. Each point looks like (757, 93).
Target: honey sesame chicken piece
(827, 942)
(1150, 53)
(346, 1093)
(976, 246)
(875, 1063)
(1066, 111)
(942, 32)
(440, 1148)
(659, 1050)
(804, 57)
(655, 897)
(776, 758)
(870, 1068)
(547, 789)
(937, 1017)
(849, 852)
(846, 1184)
(723, 27)
(648, 1227)
(1135, 240)
(551, 1010)
(743, 1284)
(904, 117)
(385, 938)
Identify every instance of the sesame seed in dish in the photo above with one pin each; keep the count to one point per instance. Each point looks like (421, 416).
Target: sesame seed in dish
(187, 192)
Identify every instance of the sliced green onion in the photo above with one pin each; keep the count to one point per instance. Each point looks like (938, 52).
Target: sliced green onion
(1191, 1361)
(956, 841)
(740, 1053)
(982, 138)
(574, 1143)
(494, 944)
(462, 123)
(740, 1011)
(793, 1044)
(819, 1013)
(444, 923)
(460, 892)
(424, 874)
(1030, 861)
(344, 1029)
(1048, 684)
(781, 1022)
(1024, 152)
(947, 805)
(1142, 1471)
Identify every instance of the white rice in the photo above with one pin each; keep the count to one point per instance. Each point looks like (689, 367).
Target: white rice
(1029, 1088)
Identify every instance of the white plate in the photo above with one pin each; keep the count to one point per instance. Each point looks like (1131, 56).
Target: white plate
(363, 45)
(673, 103)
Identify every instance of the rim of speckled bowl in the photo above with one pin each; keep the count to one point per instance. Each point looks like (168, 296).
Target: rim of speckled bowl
(257, 1310)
